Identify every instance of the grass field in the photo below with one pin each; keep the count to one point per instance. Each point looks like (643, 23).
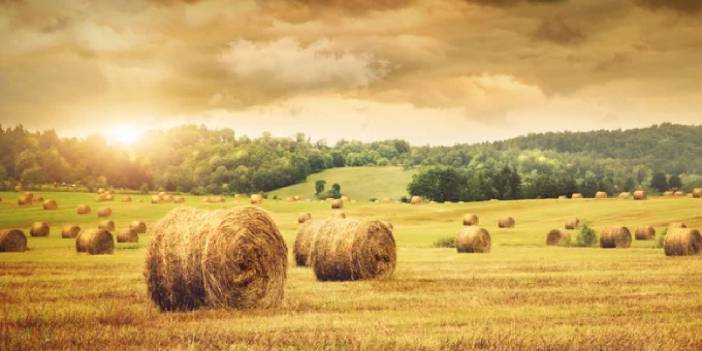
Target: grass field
(361, 183)
(520, 296)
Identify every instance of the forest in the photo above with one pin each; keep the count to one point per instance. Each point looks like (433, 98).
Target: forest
(195, 159)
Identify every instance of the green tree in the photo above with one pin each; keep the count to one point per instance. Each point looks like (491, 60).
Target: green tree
(335, 191)
(319, 186)
(675, 182)
(659, 182)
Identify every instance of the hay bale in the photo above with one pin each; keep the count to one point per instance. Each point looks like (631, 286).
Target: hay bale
(345, 198)
(95, 242)
(346, 249)
(25, 199)
(556, 237)
(108, 225)
(645, 233)
(155, 199)
(338, 214)
(179, 199)
(572, 223)
(50, 205)
(39, 229)
(668, 194)
(387, 200)
(677, 225)
(138, 226)
(100, 190)
(233, 258)
(562, 197)
(625, 195)
(297, 198)
(615, 237)
(256, 199)
(697, 193)
(83, 209)
(470, 219)
(108, 196)
(640, 195)
(473, 239)
(128, 236)
(127, 199)
(104, 212)
(415, 200)
(576, 196)
(679, 194)
(70, 231)
(304, 217)
(682, 242)
(12, 240)
(601, 195)
(507, 222)
(167, 198)
(19, 188)
(304, 241)
(337, 204)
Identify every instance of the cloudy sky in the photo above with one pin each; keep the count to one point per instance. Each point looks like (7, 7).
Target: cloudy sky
(436, 71)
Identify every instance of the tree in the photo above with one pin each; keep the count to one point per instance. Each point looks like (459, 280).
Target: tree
(659, 182)
(438, 183)
(319, 186)
(335, 191)
(675, 182)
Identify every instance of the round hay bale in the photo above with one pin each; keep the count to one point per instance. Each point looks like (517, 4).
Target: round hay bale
(108, 196)
(304, 241)
(615, 237)
(625, 195)
(601, 195)
(12, 240)
(138, 226)
(289, 199)
(161, 195)
(297, 198)
(108, 225)
(50, 205)
(562, 197)
(640, 195)
(576, 196)
(70, 231)
(572, 223)
(556, 237)
(338, 214)
(473, 239)
(304, 217)
(677, 225)
(95, 242)
(387, 200)
(104, 212)
(347, 249)
(337, 204)
(155, 199)
(682, 242)
(470, 219)
(233, 258)
(697, 193)
(167, 198)
(679, 194)
(127, 199)
(83, 209)
(128, 236)
(507, 222)
(256, 199)
(179, 199)
(668, 194)
(415, 200)
(100, 190)
(39, 229)
(645, 233)
(19, 188)
(25, 199)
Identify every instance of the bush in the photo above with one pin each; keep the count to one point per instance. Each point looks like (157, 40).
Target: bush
(586, 237)
(449, 241)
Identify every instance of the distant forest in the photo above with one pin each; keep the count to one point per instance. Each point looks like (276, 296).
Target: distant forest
(194, 159)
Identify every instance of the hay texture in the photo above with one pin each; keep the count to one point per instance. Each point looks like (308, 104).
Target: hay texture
(677, 225)
(19, 188)
(338, 214)
(104, 212)
(470, 219)
(337, 204)
(12, 240)
(615, 237)
(232, 258)
(697, 193)
(138, 226)
(415, 200)
(679, 194)
(682, 242)
(95, 242)
(107, 225)
(507, 222)
(625, 195)
(83, 209)
(557, 237)
(640, 195)
(50, 205)
(155, 199)
(25, 199)
(573, 223)
(304, 241)
(39, 229)
(256, 199)
(601, 195)
(128, 236)
(473, 239)
(576, 196)
(348, 249)
(179, 199)
(645, 233)
(668, 194)
(304, 217)
(70, 231)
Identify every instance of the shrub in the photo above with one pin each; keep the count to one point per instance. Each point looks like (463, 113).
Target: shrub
(448, 241)
(586, 237)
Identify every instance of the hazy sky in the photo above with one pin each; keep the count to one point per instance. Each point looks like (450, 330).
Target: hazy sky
(434, 71)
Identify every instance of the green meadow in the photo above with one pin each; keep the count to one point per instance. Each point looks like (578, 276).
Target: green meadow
(522, 295)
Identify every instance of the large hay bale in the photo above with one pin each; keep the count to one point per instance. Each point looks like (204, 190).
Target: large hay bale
(645, 233)
(19, 188)
(12, 240)
(347, 249)
(95, 242)
(104, 212)
(473, 239)
(128, 236)
(70, 231)
(625, 195)
(155, 199)
(615, 237)
(640, 195)
(138, 226)
(108, 225)
(304, 217)
(601, 195)
(572, 223)
(682, 242)
(668, 194)
(50, 205)
(677, 225)
(179, 199)
(233, 258)
(256, 199)
(83, 209)
(470, 219)
(39, 229)
(337, 204)
(576, 196)
(507, 222)
(697, 193)
(556, 237)
(415, 200)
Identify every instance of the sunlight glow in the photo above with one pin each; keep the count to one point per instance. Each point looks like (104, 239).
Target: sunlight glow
(123, 134)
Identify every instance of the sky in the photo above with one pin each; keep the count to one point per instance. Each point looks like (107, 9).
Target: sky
(430, 72)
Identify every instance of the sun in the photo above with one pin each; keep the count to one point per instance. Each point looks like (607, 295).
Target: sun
(125, 134)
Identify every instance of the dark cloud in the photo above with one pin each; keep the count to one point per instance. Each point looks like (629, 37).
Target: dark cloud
(683, 6)
(558, 31)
